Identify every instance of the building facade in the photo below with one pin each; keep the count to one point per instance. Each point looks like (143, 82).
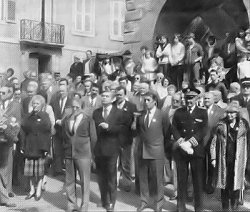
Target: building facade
(30, 40)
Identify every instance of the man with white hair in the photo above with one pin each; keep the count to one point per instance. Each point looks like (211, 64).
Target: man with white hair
(218, 99)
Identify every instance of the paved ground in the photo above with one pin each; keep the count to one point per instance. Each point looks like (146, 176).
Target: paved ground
(54, 199)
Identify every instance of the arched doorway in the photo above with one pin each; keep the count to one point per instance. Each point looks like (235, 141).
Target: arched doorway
(145, 19)
(202, 17)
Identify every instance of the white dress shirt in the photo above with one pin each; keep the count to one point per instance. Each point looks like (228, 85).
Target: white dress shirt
(108, 110)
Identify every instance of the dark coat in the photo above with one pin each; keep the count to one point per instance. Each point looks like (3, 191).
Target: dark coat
(108, 143)
(81, 143)
(37, 131)
(152, 139)
(188, 125)
(126, 136)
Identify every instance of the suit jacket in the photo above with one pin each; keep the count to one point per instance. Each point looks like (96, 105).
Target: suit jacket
(86, 105)
(59, 115)
(79, 143)
(188, 125)
(76, 69)
(151, 144)
(214, 116)
(14, 110)
(126, 136)
(91, 65)
(108, 143)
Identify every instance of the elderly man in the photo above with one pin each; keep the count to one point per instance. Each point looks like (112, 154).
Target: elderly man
(189, 128)
(79, 140)
(109, 124)
(10, 115)
(215, 113)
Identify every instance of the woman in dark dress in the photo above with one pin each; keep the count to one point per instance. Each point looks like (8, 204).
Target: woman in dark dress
(36, 144)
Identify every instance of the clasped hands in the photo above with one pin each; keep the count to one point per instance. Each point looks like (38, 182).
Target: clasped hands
(104, 125)
(187, 145)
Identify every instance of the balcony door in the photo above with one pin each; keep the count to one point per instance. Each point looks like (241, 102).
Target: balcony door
(41, 63)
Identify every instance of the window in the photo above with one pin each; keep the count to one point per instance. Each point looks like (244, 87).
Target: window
(8, 10)
(84, 17)
(117, 16)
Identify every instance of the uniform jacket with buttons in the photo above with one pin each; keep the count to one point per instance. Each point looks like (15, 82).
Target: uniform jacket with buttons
(37, 134)
(188, 125)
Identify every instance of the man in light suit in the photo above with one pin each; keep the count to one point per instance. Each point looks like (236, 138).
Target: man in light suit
(60, 101)
(215, 113)
(79, 141)
(10, 111)
(152, 132)
(109, 124)
(93, 101)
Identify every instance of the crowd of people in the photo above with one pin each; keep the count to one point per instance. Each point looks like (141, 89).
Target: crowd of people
(182, 110)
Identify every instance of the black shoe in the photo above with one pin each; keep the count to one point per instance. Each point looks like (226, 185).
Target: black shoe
(142, 207)
(11, 194)
(209, 189)
(174, 197)
(110, 208)
(29, 196)
(37, 198)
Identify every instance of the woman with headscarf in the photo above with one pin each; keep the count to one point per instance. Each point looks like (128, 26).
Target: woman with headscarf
(36, 145)
(229, 156)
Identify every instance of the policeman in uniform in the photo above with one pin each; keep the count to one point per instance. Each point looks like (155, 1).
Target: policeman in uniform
(189, 128)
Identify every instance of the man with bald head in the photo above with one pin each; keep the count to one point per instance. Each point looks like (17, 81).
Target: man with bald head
(215, 113)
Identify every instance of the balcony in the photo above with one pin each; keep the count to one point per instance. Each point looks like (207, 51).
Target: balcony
(42, 34)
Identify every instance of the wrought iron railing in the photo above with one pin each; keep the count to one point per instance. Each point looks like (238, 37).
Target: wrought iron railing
(42, 32)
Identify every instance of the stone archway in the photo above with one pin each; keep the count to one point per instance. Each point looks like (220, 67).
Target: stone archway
(143, 18)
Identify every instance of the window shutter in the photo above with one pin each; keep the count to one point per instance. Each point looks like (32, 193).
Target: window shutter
(79, 18)
(1, 10)
(11, 15)
(117, 19)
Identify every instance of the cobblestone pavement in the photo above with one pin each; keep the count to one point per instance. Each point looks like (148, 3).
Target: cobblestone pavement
(54, 199)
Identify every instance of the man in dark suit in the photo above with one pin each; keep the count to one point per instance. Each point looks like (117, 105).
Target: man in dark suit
(126, 137)
(79, 141)
(109, 124)
(215, 113)
(189, 128)
(92, 101)
(152, 132)
(59, 102)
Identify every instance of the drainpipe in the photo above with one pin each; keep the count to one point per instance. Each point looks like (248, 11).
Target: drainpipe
(43, 20)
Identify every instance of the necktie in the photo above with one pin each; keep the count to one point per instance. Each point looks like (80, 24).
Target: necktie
(147, 120)
(61, 104)
(91, 102)
(190, 110)
(105, 113)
